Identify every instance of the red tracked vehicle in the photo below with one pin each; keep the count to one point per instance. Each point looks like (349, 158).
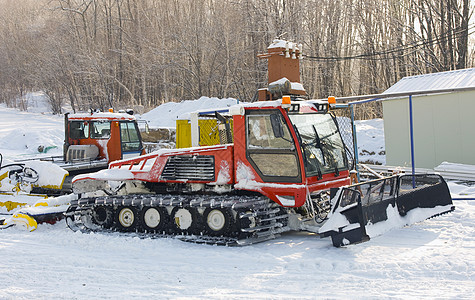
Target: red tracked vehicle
(270, 172)
(280, 159)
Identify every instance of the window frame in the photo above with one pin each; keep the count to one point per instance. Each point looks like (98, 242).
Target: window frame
(84, 124)
(122, 142)
(293, 151)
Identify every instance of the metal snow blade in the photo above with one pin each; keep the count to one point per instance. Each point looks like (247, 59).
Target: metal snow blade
(371, 208)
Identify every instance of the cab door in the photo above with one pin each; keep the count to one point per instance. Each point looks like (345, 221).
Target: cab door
(270, 148)
(130, 140)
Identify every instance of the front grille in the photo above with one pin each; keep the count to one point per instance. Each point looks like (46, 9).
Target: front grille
(75, 154)
(189, 167)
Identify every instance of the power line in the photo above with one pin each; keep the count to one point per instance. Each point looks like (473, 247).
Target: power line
(414, 45)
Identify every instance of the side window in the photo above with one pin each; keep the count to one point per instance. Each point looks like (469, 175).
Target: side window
(79, 130)
(266, 132)
(282, 165)
(100, 129)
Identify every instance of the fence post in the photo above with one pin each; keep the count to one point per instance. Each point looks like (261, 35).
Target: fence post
(411, 130)
(355, 142)
(195, 130)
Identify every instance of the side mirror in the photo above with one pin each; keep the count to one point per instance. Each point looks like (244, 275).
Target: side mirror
(275, 120)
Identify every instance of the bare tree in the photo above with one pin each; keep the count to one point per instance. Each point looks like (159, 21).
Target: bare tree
(103, 53)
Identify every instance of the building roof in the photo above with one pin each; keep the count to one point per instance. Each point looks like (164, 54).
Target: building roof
(435, 81)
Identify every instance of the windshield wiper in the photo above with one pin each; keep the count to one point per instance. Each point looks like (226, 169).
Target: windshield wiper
(304, 155)
(318, 144)
(317, 138)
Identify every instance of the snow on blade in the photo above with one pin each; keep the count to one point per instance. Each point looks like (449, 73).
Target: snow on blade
(49, 175)
(370, 137)
(395, 220)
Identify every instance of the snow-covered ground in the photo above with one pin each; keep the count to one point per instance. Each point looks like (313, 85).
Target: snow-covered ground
(23, 132)
(433, 259)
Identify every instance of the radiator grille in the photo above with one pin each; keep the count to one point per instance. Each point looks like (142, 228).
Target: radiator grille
(188, 167)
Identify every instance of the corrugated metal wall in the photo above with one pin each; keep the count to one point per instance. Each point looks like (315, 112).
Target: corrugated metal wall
(444, 129)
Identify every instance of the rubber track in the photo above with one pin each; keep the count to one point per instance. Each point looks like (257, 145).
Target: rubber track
(268, 218)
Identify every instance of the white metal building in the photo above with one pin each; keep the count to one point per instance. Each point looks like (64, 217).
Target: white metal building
(443, 124)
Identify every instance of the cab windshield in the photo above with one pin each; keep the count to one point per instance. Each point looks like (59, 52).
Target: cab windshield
(321, 144)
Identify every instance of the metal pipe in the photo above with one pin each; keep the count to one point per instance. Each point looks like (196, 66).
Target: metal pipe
(67, 135)
(378, 97)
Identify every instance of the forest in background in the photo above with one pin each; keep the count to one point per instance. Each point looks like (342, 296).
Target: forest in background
(123, 53)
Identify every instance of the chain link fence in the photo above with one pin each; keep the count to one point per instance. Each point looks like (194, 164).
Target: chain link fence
(345, 124)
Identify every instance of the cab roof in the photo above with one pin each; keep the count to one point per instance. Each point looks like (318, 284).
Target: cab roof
(101, 116)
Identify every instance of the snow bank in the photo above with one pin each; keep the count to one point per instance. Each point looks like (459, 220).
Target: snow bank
(165, 115)
(370, 138)
(24, 132)
(465, 190)
(454, 167)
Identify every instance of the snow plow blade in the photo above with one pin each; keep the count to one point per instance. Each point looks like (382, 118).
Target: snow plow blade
(23, 220)
(371, 208)
(48, 210)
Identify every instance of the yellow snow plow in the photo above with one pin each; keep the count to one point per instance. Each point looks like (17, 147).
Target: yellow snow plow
(45, 210)
(17, 202)
(19, 219)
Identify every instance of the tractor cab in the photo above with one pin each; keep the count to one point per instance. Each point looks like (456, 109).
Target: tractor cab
(277, 138)
(101, 136)
(299, 147)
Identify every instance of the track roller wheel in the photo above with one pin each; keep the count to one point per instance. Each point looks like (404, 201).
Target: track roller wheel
(103, 216)
(217, 221)
(154, 219)
(126, 218)
(185, 219)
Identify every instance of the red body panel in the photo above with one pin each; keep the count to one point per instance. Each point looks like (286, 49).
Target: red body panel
(150, 167)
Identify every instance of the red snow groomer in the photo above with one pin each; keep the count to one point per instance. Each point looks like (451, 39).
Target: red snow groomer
(270, 169)
(93, 140)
